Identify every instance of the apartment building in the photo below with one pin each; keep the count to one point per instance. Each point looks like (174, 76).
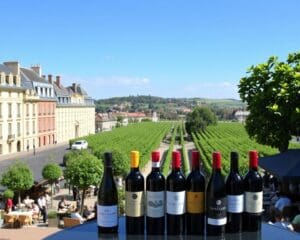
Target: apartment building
(75, 112)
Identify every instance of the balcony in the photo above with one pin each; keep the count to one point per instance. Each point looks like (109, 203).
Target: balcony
(11, 138)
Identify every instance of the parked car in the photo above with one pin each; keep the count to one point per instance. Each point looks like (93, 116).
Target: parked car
(80, 144)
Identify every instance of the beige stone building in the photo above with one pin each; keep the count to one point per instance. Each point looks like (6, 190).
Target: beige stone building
(75, 112)
(18, 118)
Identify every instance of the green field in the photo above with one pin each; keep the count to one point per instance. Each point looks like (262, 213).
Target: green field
(142, 137)
(227, 137)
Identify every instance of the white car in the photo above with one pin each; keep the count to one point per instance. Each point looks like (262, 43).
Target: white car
(80, 144)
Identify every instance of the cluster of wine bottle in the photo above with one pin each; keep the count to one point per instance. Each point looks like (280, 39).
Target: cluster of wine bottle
(179, 205)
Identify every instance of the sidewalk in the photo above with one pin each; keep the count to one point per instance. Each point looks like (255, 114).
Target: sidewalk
(23, 154)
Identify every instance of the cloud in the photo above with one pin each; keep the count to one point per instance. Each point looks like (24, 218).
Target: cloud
(117, 81)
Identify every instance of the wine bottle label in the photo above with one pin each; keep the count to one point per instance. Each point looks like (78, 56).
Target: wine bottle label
(107, 216)
(155, 164)
(195, 202)
(134, 204)
(176, 202)
(155, 204)
(235, 203)
(253, 202)
(216, 211)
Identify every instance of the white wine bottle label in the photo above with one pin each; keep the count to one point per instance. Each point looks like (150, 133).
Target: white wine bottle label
(253, 202)
(216, 211)
(155, 204)
(134, 204)
(217, 222)
(235, 203)
(176, 202)
(107, 216)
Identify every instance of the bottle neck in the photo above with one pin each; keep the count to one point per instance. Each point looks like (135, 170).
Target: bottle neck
(216, 170)
(195, 167)
(108, 170)
(175, 169)
(134, 169)
(234, 165)
(253, 168)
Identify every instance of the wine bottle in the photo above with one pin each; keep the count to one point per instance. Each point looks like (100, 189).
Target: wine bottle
(235, 196)
(195, 188)
(134, 198)
(253, 187)
(107, 207)
(216, 200)
(155, 186)
(176, 185)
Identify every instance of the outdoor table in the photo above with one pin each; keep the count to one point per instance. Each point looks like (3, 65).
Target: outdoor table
(89, 231)
(17, 214)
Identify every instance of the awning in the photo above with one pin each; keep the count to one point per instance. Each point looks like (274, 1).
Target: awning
(285, 166)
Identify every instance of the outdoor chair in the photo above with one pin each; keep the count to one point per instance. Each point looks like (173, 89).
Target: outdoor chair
(9, 220)
(70, 222)
(24, 220)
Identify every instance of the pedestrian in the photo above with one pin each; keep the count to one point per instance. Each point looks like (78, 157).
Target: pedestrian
(33, 149)
(43, 206)
(75, 192)
(27, 148)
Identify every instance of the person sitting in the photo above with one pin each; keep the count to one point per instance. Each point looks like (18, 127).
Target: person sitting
(27, 201)
(87, 213)
(281, 222)
(63, 205)
(296, 223)
(283, 201)
(76, 215)
(9, 205)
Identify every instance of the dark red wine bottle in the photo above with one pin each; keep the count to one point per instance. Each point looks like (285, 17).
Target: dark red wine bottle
(253, 187)
(195, 198)
(155, 198)
(216, 203)
(107, 207)
(134, 198)
(176, 185)
(235, 196)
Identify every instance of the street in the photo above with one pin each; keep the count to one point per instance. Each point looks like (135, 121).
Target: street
(38, 161)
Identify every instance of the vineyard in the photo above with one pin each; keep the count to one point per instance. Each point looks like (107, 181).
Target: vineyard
(227, 137)
(142, 137)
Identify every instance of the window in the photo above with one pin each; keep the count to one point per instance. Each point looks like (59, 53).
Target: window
(1, 131)
(9, 129)
(7, 80)
(9, 147)
(0, 148)
(0, 110)
(19, 129)
(19, 109)
(27, 109)
(27, 127)
(9, 110)
(15, 80)
(33, 109)
(33, 127)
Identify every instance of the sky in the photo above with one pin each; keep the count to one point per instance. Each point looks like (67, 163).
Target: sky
(166, 48)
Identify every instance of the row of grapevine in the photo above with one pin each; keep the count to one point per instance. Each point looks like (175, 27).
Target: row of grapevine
(185, 159)
(167, 162)
(142, 137)
(227, 137)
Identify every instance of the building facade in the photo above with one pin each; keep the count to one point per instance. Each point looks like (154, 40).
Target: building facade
(75, 112)
(45, 106)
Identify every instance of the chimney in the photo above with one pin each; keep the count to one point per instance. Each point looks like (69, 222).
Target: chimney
(37, 69)
(50, 78)
(14, 67)
(74, 86)
(58, 81)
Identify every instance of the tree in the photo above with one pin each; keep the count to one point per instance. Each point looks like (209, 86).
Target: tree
(85, 171)
(199, 119)
(18, 178)
(8, 194)
(52, 172)
(120, 161)
(272, 93)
